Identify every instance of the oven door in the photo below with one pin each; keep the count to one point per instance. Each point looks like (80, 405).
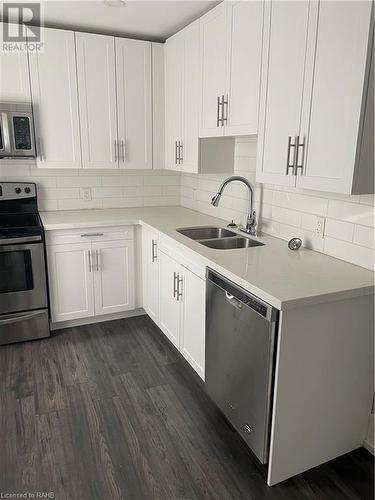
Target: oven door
(22, 277)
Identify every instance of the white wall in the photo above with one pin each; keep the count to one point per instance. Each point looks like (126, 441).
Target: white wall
(60, 189)
(285, 213)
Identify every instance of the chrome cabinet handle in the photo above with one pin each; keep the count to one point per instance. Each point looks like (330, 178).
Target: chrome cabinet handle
(174, 284)
(97, 256)
(122, 151)
(298, 145)
(88, 235)
(116, 152)
(288, 165)
(153, 250)
(224, 110)
(90, 260)
(181, 154)
(175, 153)
(219, 112)
(179, 282)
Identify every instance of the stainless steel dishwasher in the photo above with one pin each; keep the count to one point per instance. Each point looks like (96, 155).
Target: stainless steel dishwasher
(240, 340)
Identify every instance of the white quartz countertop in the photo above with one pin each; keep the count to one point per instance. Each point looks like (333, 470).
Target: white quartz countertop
(282, 277)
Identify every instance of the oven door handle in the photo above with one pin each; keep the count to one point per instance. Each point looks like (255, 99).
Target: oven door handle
(26, 239)
(17, 319)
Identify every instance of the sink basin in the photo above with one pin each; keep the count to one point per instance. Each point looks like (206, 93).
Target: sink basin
(232, 243)
(206, 233)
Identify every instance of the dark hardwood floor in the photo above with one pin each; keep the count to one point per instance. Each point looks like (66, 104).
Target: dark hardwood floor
(110, 411)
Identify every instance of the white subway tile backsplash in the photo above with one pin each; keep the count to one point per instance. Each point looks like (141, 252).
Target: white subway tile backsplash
(79, 204)
(286, 212)
(121, 180)
(339, 230)
(164, 180)
(356, 254)
(107, 192)
(77, 181)
(356, 213)
(364, 236)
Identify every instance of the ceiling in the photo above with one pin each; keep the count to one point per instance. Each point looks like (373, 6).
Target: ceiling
(150, 20)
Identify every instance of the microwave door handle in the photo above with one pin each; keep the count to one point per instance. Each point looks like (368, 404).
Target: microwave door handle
(6, 132)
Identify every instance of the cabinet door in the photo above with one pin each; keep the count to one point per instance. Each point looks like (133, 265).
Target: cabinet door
(113, 263)
(284, 45)
(193, 337)
(337, 56)
(53, 76)
(191, 96)
(134, 114)
(213, 48)
(174, 55)
(97, 100)
(170, 307)
(70, 281)
(14, 74)
(245, 27)
(150, 271)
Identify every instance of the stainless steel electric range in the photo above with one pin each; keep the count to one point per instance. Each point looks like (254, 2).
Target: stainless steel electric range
(23, 283)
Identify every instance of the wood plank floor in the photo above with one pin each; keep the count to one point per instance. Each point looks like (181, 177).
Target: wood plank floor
(110, 411)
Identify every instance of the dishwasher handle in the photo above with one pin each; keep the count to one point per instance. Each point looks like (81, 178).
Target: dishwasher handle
(233, 301)
(238, 297)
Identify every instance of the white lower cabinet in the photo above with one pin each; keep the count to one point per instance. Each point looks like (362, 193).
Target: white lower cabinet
(170, 306)
(193, 337)
(71, 281)
(89, 278)
(150, 266)
(174, 297)
(113, 276)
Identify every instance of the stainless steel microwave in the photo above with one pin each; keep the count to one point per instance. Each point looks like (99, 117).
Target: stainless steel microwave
(17, 139)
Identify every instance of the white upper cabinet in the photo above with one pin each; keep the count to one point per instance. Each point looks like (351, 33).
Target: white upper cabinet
(335, 92)
(174, 54)
(231, 56)
(97, 100)
(213, 40)
(134, 101)
(14, 75)
(182, 100)
(284, 43)
(244, 56)
(315, 97)
(53, 77)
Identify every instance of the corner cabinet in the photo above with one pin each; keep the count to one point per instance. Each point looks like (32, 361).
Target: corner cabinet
(230, 52)
(182, 80)
(53, 76)
(91, 272)
(316, 96)
(150, 271)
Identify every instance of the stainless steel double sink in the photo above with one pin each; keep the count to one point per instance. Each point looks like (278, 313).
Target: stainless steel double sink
(218, 238)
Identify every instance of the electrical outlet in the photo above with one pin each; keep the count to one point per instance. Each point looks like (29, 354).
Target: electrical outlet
(85, 193)
(320, 225)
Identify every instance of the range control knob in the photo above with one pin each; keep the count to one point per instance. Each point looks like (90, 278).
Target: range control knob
(18, 190)
(27, 190)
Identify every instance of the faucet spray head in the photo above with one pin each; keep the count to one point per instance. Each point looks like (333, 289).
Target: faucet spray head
(215, 199)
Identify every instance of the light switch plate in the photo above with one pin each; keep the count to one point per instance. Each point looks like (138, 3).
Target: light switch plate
(85, 193)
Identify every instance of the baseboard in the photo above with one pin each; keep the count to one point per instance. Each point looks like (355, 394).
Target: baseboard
(369, 446)
(97, 319)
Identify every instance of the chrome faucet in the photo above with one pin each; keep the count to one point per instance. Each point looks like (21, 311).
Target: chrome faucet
(251, 223)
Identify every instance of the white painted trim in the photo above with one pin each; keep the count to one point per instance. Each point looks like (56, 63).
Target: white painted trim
(97, 319)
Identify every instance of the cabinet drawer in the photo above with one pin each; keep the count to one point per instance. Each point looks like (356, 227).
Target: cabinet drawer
(62, 236)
